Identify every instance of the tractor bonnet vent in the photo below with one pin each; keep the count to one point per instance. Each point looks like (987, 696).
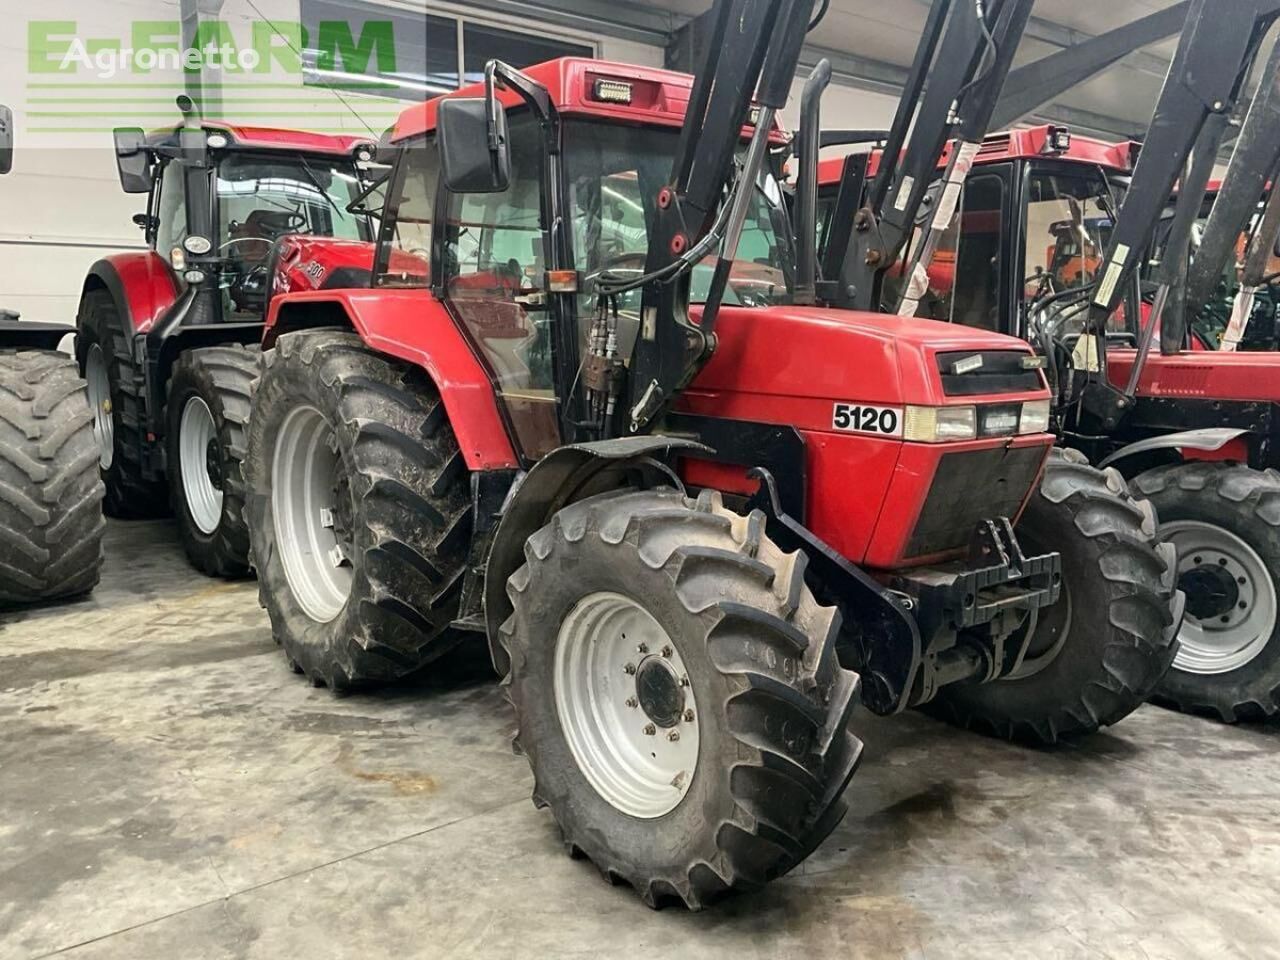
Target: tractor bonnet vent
(972, 373)
(998, 143)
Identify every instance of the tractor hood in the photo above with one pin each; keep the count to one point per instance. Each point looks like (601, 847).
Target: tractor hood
(812, 353)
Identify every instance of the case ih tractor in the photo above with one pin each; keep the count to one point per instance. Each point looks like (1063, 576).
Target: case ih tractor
(168, 338)
(526, 427)
(51, 522)
(1194, 430)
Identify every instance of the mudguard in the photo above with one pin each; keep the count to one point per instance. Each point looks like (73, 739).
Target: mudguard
(142, 284)
(1213, 438)
(411, 325)
(563, 476)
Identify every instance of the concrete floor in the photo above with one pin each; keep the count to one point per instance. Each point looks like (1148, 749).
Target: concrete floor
(169, 789)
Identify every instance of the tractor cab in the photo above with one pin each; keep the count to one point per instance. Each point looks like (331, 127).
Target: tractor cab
(220, 198)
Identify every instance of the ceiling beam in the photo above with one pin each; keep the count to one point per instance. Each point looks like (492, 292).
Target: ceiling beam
(637, 22)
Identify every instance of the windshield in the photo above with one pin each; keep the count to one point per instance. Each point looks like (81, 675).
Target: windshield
(615, 174)
(263, 197)
(1068, 225)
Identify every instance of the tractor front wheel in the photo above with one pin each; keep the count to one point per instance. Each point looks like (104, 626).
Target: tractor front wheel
(1225, 522)
(359, 509)
(1100, 651)
(677, 694)
(208, 414)
(105, 351)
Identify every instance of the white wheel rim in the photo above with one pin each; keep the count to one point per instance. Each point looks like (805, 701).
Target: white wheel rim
(1221, 640)
(304, 474)
(625, 705)
(99, 384)
(197, 462)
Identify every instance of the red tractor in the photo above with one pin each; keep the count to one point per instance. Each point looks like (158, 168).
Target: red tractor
(522, 422)
(168, 338)
(51, 522)
(1192, 429)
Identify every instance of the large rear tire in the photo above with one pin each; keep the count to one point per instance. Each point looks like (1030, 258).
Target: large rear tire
(359, 510)
(678, 694)
(1101, 650)
(1225, 522)
(51, 522)
(208, 416)
(105, 352)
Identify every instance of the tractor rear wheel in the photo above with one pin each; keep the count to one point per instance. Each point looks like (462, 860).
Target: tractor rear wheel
(359, 509)
(677, 694)
(1225, 522)
(51, 522)
(1100, 651)
(207, 416)
(105, 352)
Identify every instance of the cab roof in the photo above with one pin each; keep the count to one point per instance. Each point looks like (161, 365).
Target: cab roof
(1031, 143)
(658, 97)
(268, 138)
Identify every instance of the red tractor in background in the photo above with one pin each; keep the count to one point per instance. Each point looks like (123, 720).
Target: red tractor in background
(1192, 429)
(540, 416)
(51, 522)
(168, 338)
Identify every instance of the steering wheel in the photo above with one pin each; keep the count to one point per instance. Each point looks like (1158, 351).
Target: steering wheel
(234, 240)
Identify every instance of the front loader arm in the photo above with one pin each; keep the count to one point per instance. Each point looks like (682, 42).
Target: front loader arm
(752, 52)
(1216, 49)
(1254, 159)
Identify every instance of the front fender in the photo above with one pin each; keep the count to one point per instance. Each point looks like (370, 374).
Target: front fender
(142, 284)
(562, 477)
(1211, 438)
(413, 326)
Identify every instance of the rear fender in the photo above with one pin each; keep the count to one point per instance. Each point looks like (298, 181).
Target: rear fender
(1212, 439)
(562, 477)
(413, 326)
(142, 284)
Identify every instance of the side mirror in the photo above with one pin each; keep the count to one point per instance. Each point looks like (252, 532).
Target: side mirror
(6, 140)
(133, 160)
(473, 158)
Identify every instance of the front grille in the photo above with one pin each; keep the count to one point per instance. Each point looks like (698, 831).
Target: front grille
(1001, 371)
(969, 488)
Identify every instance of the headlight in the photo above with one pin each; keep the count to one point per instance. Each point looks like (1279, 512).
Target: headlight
(194, 277)
(218, 141)
(940, 424)
(197, 245)
(1035, 417)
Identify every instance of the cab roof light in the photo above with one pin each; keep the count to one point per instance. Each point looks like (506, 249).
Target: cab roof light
(612, 91)
(1058, 140)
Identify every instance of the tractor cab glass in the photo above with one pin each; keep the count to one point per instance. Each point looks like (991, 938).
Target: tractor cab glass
(493, 249)
(1066, 219)
(614, 176)
(263, 197)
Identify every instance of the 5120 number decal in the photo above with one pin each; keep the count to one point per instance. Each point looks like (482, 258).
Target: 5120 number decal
(861, 418)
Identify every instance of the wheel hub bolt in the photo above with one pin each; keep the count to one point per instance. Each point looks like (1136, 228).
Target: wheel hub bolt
(673, 736)
(688, 716)
(650, 729)
(642, 648)
(684, 681)
(666, 652)
(630, 669)
(632, 702)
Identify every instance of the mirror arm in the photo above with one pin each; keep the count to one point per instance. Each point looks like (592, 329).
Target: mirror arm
(498, 75)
